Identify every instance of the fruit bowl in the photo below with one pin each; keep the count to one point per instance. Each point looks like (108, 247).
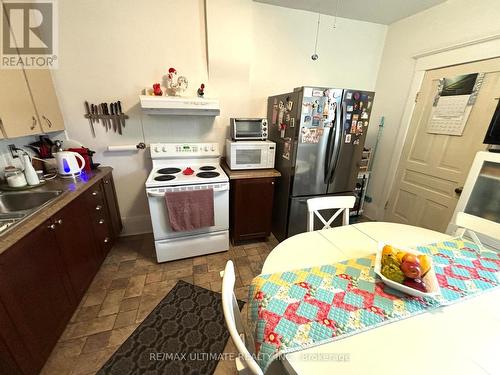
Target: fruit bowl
(429, 278)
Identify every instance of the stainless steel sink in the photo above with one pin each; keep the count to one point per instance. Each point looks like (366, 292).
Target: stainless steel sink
(16, 206)
(25, 201)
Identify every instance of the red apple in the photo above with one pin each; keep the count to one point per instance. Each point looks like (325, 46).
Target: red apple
(411, 270)
(417, 284)
(410, 258)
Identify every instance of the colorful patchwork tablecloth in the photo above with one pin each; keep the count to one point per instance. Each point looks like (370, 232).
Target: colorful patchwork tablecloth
(298, 309)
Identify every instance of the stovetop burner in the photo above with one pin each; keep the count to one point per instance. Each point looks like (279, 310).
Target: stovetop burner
(207, 168)
(168, 171)
(165, 177)
(207, 174)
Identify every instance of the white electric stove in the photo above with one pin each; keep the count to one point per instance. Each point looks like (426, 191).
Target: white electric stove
(181, 167)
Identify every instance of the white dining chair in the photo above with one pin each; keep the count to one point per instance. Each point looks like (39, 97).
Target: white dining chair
(245, 363)
(341, 203)
(475, 224)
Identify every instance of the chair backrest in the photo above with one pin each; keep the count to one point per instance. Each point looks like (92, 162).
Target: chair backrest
(234, 323)
(476, 224)
(341, 203)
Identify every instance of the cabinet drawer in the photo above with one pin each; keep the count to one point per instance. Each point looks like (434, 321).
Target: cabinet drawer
(95, 195)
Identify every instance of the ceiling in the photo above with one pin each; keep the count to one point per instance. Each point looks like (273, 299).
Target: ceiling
(377, 11)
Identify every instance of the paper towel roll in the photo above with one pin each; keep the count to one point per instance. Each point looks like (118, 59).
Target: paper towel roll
(123, 148)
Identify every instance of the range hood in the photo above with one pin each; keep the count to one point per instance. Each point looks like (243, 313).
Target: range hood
(178, 105)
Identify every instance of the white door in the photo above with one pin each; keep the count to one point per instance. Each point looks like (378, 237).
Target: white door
(433, 166)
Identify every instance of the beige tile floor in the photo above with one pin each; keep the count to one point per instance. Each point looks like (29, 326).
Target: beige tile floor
(129, 284)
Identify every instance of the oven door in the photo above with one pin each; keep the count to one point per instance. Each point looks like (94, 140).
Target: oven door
(159, 214)
(252, 156)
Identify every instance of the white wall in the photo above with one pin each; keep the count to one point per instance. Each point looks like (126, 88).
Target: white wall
(110, 50)
(444, 25)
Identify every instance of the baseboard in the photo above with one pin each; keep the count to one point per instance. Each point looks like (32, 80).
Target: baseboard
(136, 225)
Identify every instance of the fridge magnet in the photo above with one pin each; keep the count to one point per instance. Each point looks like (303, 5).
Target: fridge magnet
(359, 128)
(311, 135)
(348, 116)
(281, 112)
(316, 120)
(361, 104)
(282, 130)
(289, 105)
(306, 107)
(348, 96)
(347, 126)
(347, 138)
(307, 118)
(287, 146)
(287, 118)
(365, 124)
(355, 117)
(356, 106)
(317, 92)
(357, 95)
(364, 115)
(356, 142)
(350, 108)
(292, 122)
(275, 111)
(353, 128)
(369, 105)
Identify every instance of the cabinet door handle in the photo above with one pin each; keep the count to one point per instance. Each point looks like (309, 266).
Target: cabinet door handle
(94, 193)
(101, 221)
(48, 121)
(98, 207)
(106, 181)
(33, 125)
(106, 240)
(2, 129)
(59, 221)
(52, 226)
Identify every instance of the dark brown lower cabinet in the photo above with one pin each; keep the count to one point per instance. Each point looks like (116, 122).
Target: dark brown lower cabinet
(44, 276)
(251, 205)
(36, 296)
(78, 250)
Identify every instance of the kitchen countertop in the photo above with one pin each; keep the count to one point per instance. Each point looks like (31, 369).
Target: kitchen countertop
(72, 188)
(249, 173)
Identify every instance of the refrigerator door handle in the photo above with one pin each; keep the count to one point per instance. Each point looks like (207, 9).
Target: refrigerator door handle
(337, 144)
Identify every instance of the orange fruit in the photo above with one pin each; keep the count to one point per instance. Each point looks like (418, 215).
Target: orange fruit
(400, 255)
(387, 250)
(425, 263)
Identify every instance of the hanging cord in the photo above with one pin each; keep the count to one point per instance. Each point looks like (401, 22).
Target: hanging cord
(315, 55)
(337, 5)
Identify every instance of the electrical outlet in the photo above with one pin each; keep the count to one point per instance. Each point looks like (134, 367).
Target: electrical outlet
(13, 151)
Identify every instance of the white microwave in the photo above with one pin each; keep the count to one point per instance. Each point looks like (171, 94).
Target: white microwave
(250, 154)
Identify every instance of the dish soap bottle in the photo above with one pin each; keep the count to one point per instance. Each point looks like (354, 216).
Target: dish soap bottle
(29, 171)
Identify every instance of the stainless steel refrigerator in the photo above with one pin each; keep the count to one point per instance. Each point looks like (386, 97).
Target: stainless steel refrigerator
(319, 134)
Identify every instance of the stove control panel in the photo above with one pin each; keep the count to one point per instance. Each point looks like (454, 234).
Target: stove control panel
(176, 150)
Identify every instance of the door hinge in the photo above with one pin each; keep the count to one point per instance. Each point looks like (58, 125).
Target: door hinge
(416, 96)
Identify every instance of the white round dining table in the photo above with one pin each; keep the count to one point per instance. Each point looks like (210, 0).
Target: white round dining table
(463, 338)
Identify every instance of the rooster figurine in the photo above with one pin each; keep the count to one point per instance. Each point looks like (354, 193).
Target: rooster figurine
(201, 90)
(175, 85)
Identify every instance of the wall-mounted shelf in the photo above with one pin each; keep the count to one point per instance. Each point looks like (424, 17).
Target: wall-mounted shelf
(178, 105)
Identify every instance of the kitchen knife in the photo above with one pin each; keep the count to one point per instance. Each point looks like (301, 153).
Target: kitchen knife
(122, 115)
(111, 116)
(102, 112)
(87, 109)
(117, 117)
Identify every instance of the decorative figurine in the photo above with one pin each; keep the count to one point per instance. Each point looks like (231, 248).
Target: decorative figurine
(157, 89)
(201, 90)
(175, 85)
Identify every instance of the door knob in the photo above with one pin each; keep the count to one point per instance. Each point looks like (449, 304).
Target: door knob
(459, 190)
